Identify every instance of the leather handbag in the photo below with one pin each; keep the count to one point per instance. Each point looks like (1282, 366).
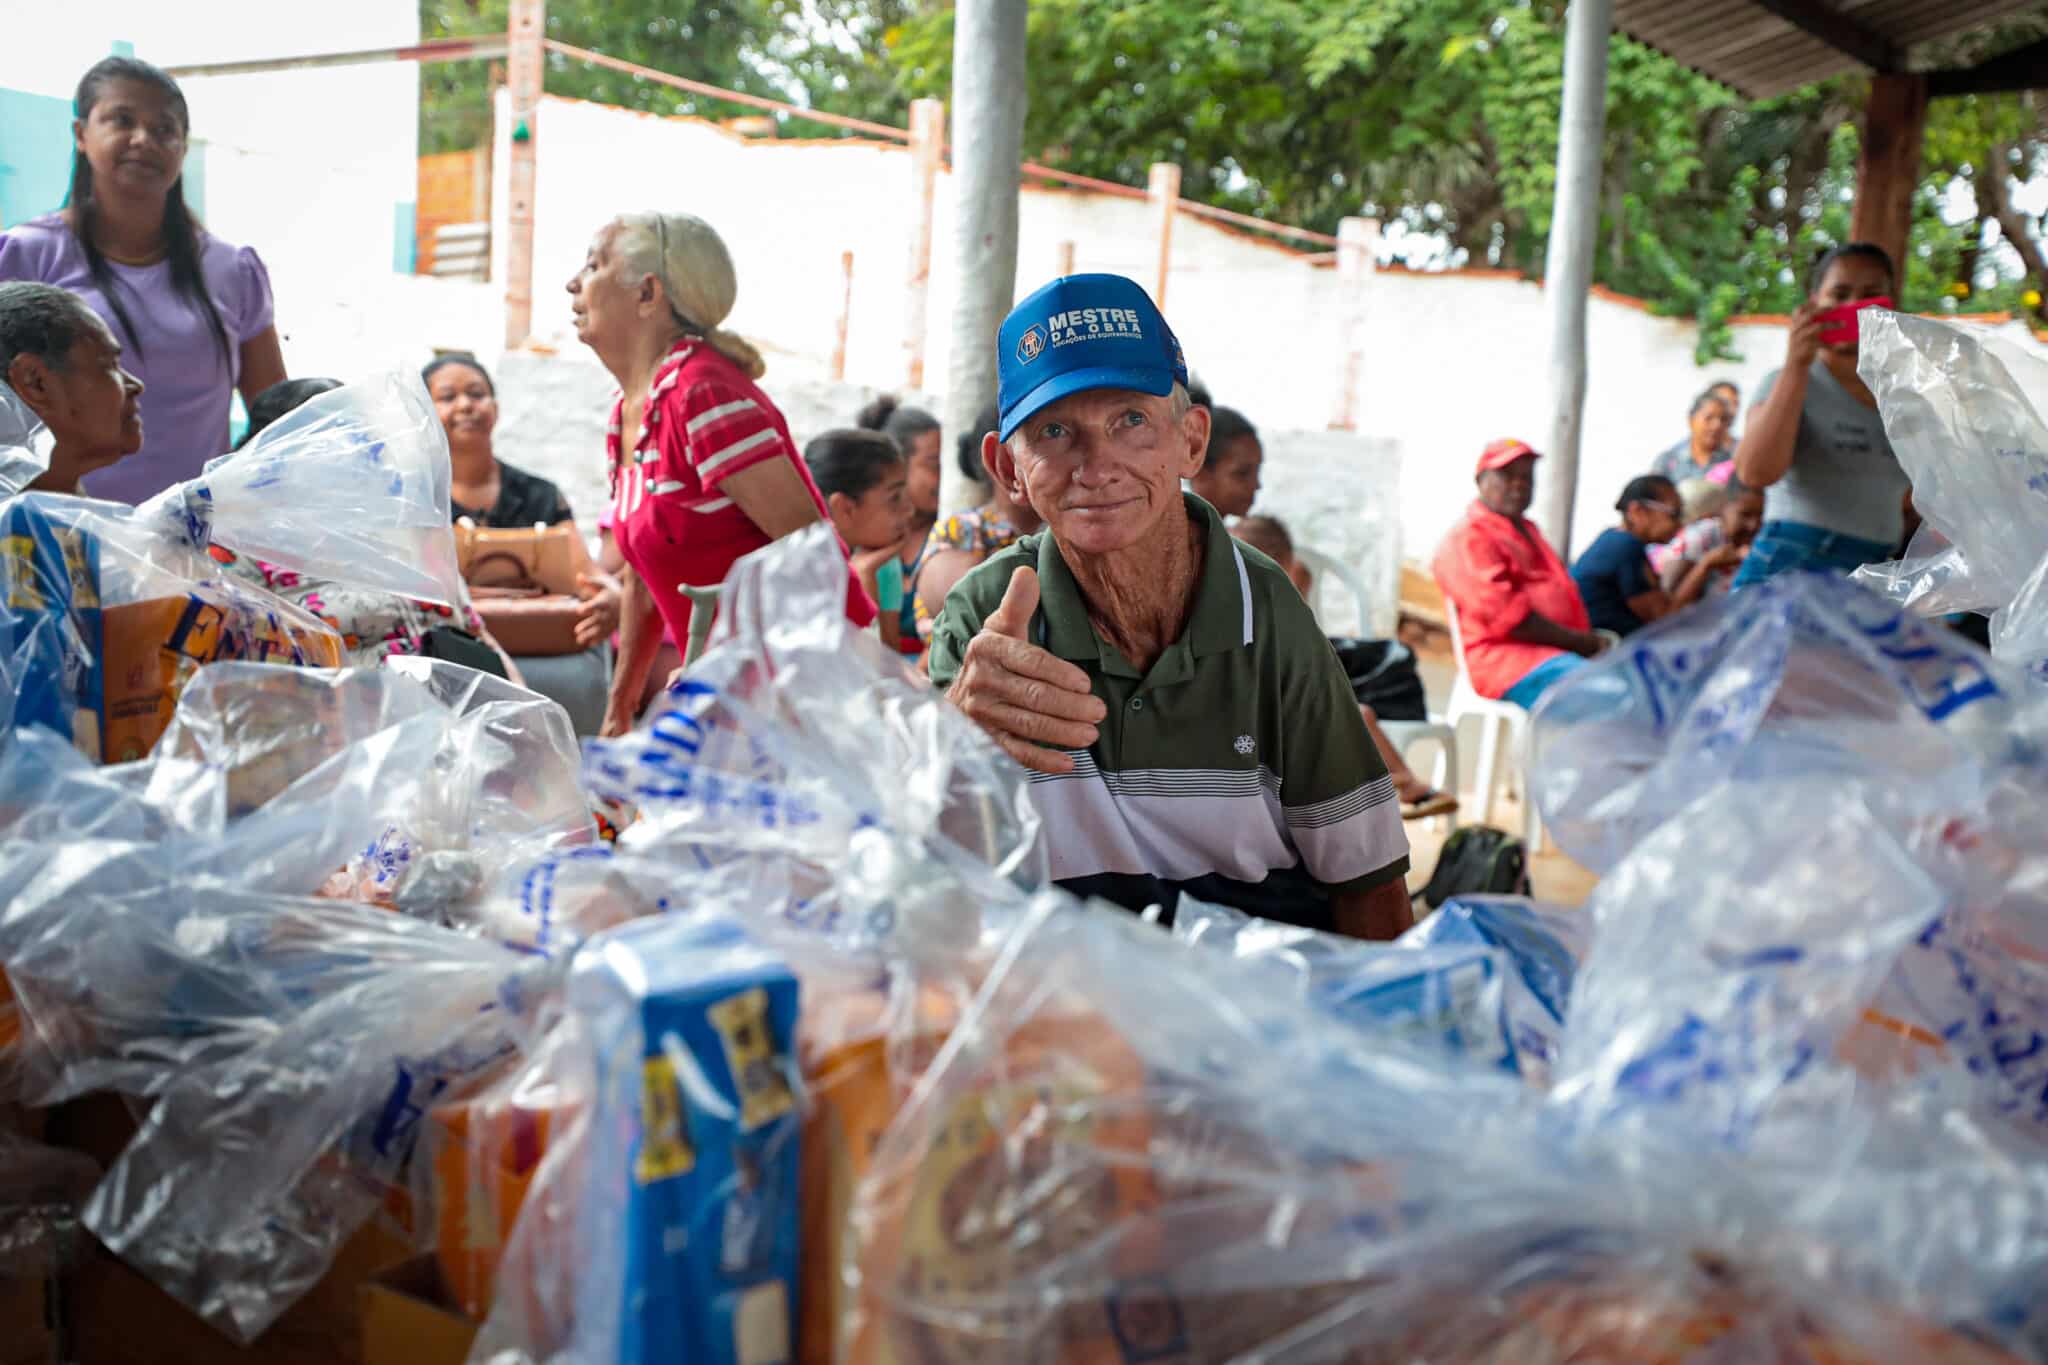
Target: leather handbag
(529, 623)
(547, 558)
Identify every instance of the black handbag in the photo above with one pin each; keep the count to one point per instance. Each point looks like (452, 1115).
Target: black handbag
(456, 646)
(1384, 676)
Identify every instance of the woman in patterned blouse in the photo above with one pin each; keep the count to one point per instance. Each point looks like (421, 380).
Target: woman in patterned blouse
(960, 542)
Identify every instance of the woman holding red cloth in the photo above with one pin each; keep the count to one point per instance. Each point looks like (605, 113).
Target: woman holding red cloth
(703, 468)
(1519, 613)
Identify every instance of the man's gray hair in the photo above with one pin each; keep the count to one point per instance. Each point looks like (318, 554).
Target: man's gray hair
(40, 320)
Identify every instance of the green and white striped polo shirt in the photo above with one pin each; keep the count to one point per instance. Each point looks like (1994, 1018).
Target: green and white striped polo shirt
(1240, 757)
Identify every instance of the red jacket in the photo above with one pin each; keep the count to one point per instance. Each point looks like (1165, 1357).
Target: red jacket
(1496, 573)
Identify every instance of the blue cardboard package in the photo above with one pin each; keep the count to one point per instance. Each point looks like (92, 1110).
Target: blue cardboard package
(690, 1237)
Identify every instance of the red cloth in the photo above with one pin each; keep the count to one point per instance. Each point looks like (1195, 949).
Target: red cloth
(1496, 573)
(705, 422)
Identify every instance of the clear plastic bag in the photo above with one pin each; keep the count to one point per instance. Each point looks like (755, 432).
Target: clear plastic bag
(251, 1171)
(1123, 1149)
(109, 610)
(1485, 978)
(791, 700)
(1967, 415)
(1804, 675)
(351, 485)
(19, 428)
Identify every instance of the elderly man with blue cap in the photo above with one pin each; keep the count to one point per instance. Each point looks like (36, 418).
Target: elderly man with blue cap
(1187, 726)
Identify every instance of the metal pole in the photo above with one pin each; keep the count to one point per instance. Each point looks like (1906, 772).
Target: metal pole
(1164, 188)
(1355, 241)
(1065, 258)
(988, 155)
(1568, 268)
(927, 145)
(845, 315)
(523, 67)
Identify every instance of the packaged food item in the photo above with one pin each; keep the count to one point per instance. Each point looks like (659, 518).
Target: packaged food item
(691, 1218)
(1485, 977)
(483, 1153)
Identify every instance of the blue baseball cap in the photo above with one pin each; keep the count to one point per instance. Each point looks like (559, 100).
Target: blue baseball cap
(1078, 333)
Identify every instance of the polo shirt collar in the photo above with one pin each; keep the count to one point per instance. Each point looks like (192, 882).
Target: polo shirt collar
(1221, 621)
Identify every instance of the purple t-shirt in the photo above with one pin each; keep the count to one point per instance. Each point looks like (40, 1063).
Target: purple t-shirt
(188, 384)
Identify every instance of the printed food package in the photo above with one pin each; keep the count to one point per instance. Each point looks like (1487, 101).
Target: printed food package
(135, 634)
(692, 1203)
(1108, 1162)
(483, 1153)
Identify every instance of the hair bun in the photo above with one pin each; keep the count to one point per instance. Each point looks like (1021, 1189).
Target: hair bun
(875, 416)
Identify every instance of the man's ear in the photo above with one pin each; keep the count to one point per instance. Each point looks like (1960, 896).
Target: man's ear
(838, 504)
(1001, 466)
(1195, 425)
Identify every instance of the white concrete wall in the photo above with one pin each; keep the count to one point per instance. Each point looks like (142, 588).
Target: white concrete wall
(306, 166)
(1451, 360)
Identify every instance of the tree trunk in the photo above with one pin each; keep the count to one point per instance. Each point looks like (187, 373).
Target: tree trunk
(1994, 188)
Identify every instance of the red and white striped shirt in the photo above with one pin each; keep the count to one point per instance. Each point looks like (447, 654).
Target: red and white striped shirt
(704, 422)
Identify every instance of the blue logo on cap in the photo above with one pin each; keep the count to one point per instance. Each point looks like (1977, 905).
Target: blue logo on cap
(1079, 333)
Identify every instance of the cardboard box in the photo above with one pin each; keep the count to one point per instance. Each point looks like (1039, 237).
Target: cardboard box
(408, 1318)
(115, 1316)
(26, 1337)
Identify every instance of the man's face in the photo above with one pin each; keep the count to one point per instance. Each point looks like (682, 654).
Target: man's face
(1510, 489)
(1104, 467)
(90, 404)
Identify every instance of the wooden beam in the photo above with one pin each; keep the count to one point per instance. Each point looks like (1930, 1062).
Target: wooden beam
(927, 149)
(433, 50)
(1888, 164)
(1165, 192)
(1356, 241)
(1839, 31)
(2023, 69)
(525, 62)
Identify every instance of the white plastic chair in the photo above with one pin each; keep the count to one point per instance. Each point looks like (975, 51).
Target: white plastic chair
(1494, 717)
(1324, 568)
(1405, 735)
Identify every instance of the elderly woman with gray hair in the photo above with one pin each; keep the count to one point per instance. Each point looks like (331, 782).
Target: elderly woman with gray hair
(703, 468)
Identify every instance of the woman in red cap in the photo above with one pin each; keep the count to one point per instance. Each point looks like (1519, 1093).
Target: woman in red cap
(1519, 612)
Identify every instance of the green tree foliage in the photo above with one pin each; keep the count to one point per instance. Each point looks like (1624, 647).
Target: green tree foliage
(728, 43)
(1439, 115)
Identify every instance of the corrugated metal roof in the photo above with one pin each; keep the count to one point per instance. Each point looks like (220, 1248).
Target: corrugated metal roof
(1745, 46)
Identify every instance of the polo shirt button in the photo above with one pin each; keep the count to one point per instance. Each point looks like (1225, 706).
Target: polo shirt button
(1137, 703)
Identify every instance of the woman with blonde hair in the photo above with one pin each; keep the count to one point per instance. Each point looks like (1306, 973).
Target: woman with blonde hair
(703, 468)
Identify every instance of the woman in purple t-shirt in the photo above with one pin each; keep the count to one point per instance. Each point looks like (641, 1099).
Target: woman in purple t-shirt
(193, 313)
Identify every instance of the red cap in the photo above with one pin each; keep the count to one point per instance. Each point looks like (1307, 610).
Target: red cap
(1504, 452)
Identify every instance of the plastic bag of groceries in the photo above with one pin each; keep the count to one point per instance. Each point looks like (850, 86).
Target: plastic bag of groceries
(1131, 1149)
(1825, 886)
(252, 1170)
(1967, 414)
(1805, 675)
(109, 610)
(1487, 977)
(19, 430)
(793, 718)
(883, 948)
(360, 785)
